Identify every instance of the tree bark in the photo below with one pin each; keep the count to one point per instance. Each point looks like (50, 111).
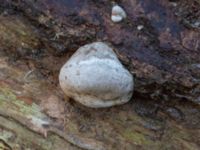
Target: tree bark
(37, 37)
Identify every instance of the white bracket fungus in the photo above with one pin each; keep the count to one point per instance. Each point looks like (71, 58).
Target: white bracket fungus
(94, 77)
(118, 14)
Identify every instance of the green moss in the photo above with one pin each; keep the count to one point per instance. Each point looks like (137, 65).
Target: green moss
(24, 136)
(10, 104)
(72, 127)
(14, 31)
(135, 137)
(3, 146)
(6, 94)
(5, 135)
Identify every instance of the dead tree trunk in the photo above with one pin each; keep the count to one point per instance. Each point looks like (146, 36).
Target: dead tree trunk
(159, 43)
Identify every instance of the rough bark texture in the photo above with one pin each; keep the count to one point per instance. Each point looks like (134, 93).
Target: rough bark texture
(37, 37)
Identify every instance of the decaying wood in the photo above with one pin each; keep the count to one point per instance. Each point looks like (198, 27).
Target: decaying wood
(36, 39)
(33, 119)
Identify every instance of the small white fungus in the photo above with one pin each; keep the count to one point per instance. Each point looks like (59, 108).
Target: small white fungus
(118, 13)
(140, 27)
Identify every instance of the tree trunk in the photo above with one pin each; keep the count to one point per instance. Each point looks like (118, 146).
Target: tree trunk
(37, 37)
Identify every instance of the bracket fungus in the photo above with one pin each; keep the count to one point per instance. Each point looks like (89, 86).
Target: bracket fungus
(94, 77)
(118, 14)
